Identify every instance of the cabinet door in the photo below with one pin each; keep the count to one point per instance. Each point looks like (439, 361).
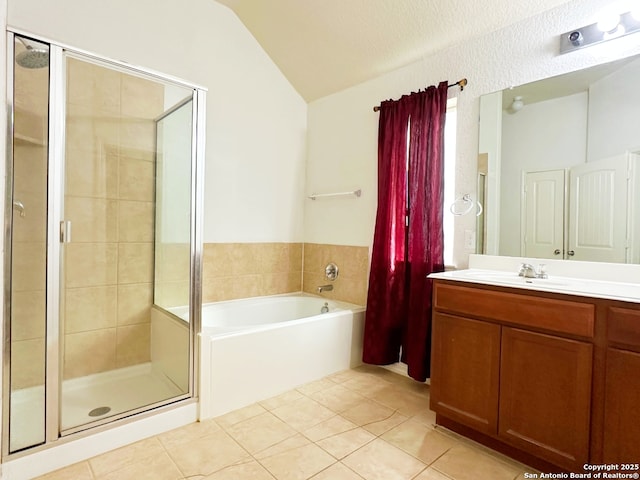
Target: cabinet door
(465, 371)
(545, 396)
(621, 414)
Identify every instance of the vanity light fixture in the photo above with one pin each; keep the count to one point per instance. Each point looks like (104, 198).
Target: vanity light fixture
(608, 28)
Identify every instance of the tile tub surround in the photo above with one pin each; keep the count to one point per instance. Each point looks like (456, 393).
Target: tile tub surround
(366, 423)
(242, 270)
(353, 275)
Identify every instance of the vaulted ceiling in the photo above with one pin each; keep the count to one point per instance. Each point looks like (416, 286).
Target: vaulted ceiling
(324, 46)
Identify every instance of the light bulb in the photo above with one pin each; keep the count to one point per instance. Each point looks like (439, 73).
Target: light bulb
(517, 104)
(609, 22)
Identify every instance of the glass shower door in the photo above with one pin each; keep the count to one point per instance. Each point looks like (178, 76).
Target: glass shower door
(110, 364)
(27, 245)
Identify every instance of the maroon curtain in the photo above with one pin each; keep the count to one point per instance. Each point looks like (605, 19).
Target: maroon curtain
(386, 307)
(399, 298)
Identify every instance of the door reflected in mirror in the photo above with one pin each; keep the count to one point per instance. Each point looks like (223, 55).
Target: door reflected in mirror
(563, 169)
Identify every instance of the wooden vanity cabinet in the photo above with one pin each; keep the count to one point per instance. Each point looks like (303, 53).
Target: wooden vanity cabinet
(516, 368)
(621, 434)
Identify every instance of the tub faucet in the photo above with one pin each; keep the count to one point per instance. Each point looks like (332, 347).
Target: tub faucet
(325, 288)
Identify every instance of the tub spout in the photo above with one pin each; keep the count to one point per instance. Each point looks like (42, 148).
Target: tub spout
(325, 288)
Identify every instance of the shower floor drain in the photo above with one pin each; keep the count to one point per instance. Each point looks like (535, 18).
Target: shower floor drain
(96, 412)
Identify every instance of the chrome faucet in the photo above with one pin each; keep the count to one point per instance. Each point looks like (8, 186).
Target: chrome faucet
(325, 288)
(529, 271)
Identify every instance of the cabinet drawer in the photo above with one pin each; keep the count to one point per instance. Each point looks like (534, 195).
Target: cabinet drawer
(563, 316)
(623, 326)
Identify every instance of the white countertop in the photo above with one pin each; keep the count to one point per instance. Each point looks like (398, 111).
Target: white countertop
(584, 287)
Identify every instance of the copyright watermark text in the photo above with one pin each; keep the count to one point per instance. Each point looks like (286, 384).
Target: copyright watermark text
(597, 471)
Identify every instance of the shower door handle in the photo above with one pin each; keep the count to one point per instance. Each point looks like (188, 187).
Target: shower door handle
(20, 207)
(65, 231)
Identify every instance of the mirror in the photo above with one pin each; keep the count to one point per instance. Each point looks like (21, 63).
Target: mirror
(559, 160)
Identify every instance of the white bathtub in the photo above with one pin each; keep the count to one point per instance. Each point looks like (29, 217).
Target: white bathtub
(254, 349)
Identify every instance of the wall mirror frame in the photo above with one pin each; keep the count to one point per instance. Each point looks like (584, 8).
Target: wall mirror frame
(559, 170)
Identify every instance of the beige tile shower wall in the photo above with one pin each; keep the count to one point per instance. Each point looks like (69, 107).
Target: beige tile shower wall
(109, 200)
(353, 265)
(242, 270)
(28, 295)
(28, 283)
(173, 261)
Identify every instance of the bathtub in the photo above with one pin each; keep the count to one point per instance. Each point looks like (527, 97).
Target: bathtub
(256, 348)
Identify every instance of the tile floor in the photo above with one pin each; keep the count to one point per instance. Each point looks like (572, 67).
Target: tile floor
(367, 423)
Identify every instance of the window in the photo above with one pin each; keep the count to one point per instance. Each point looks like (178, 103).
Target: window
(449, 178)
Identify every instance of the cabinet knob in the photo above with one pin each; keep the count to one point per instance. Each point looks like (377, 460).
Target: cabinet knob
(557, 251)
(571, 253)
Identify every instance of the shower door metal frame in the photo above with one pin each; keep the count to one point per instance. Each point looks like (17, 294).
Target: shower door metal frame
(55, 264)
(52, 284)
(7, 239)
(196, 199)
(55, 197)
(197, 225)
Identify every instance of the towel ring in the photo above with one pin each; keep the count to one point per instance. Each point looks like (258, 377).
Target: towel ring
(464, 205)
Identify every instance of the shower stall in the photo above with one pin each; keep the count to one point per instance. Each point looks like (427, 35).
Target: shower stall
(102, 239)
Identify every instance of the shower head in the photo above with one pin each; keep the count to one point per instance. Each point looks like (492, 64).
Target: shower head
(32, 57)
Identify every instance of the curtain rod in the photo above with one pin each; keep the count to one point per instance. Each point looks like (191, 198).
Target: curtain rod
(463, 83)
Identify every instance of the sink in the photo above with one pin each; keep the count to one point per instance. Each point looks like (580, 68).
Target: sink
(570, 285)
(545, 281)
(508, 278)
(488, 274)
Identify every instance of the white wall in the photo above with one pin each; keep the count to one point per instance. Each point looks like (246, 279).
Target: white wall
(256, 121)
(542, 136)
(613, 114)
(343, 128)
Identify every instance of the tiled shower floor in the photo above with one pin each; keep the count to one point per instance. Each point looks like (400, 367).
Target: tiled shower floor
(367, 423)
(121, 390)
